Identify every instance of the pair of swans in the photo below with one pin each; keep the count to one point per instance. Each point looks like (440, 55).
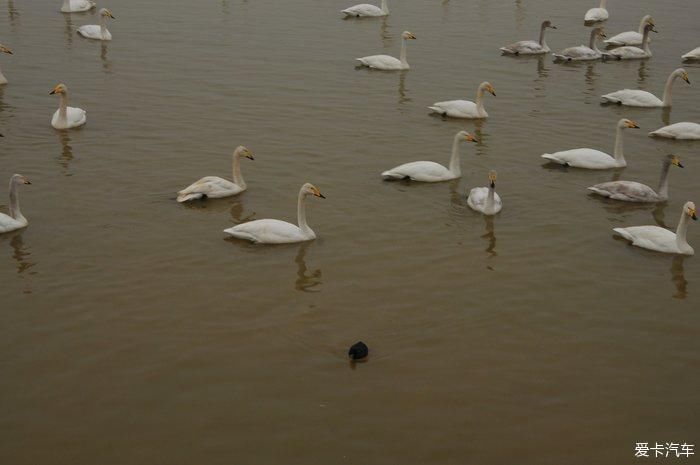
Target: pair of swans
(595, 159)
(641, 98)
(276, 231)
(631, 191)
(465, 108)
(485, 199)
(66, 117)
(76, 6)
(215, 187)
(597, 14)
(3, 49)
(15, 220)
(98, 32)
(630, 37)
(680, 131)
(387, 62)
(661, 239)
(692, 55)
(530, 47)
(583, 53)
(629, 52)
(365, 10)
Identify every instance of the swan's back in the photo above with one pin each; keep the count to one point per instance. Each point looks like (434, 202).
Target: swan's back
(426, 171)
(477, 200)
(629, 191)
(381, 62)
(633, 98)
(7, 223)
(684, 130)
(583, 158)
(269, 231)
(363, 9)
(650, 237)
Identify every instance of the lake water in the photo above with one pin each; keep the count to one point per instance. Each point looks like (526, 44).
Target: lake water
(134, 332)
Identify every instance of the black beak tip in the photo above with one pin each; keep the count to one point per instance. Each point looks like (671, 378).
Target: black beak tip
(680, 165)
(52, 92)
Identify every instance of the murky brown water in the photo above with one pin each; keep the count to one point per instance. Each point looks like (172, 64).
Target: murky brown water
(133, 332)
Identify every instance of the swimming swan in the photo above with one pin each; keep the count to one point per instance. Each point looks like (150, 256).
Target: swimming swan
(14, 220)
(642, 98)
(75, 6)
(66, 117)
(365, 10)
(276, 231)
(681, 131)
(582, 53)
(630, 37)
(661, 239)
(215, 187)
(3, 49)
(93, 31)
(530, 47)
(630, 52)
(466, 108)
(630, 191)
(386, 62)
(485, 199)
(692, 55)
(429, 171)
(597, 14)
(594, 159)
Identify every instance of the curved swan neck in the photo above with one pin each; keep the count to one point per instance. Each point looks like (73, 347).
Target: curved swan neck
(542, 30)
(66, 5)
(237, 176)
(14, 202)
(602, 3)
(385, 7)
(301, 213)
(645, 40)
(667, 90)
(480, 98)
(592, 41)
(642, 24)
(681, 230)
(619, 155)
(403, 52)
(455, 169)
(662, 192)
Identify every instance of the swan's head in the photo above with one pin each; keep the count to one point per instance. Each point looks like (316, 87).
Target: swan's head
(689, 209)
(683, 74)
(674, 160)
(647, 19)
(310, 189)
(464, 135)
(105, 12)
(19, 179)
(4, 49)
(492, 178)
(628, 123)
(59, 89)
(488, 88)
(650, 27)
(243, 152)
(599, 32)
(548, 24)
(407, 35)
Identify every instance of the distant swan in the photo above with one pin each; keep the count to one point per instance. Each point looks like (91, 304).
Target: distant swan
(630, 52)
(642, 98)
(530, 47)
(93, 31)
(631, 37)
(3, 49)
(597, 14)
(582, 53)
(366, 10)
(276, 231)
(14, 220)
(386, 62)
(594, 159)
(485, 199)
(661, 239)
(75, 6)
(630, 191)
(692, 55)
(215, 187)
(66, 117)
(466, 108)
(681, 131)
(429, 171)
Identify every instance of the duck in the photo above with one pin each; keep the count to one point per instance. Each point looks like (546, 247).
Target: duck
(582, 53)
(3, 49)
(465, 108)
(681, 131)
(365, 10)
(661, 239)
(597, 14)
(630, 37)
(215, 187)
(66, 117)
(642, 98)
(630, 52)
(386, 62)
(98, 32)
(485, 199)
(76, 6)
(530, 47)
(15, 220)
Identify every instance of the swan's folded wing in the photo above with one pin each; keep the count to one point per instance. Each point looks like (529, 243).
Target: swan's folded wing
(650, 237)
(633, 97)
(477, 197)
(363, 9)
(380, 62)
(267, 231)
(629, 191)
(209, 185)
(426, 171)
(684, 130)
(523, 46)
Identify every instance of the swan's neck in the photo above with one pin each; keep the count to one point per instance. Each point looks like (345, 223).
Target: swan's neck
(403, 53)
(66, 4)
(480, 100)
(63, 108)
(667, 89)
(602, 3)
(237, 176)
(490, 199)
(592, 42)
(103, 26)
(301, 214)
(542, 37)
(3, 79)
(663, 181)
(642, 25)
(385, 7)
(681, 241)
(455, 169)
(14, 203)
(619, 155)
(645, 41)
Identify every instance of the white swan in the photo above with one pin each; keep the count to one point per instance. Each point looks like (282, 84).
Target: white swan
(597, 14)
(215, 187)
(631, 37)
(692, 55)
(630, 191)
(75, 6)
(3, 49)
(661, 239)
(594, 159)
(681, 131)
(14, 220)
(364, 10)
(466, 108)
(642, 98)
(66, 117)
(530, 47)
(386, 62)
(276, 231)
(630, 52)
(485, 199)
(582, 53)
(429, 171)
(98, 32)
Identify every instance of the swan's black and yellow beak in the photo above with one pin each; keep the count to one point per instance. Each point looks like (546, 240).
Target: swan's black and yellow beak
(320, 195)
(53, 91)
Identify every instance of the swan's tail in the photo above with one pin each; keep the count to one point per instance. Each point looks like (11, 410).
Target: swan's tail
(362, 61)
(392, 175)
(240, 234)
(185, 197)
(624, 233)
(506, 50)
(560, 57)
(609, 98)
(551, 157)
(437, 109)
(602, 192)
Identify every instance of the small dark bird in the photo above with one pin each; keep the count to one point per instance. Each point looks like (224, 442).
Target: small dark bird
(358, 351)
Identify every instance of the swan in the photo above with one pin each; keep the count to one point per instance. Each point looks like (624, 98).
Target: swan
(276, 231)
(530, 47)
(365, 10)
(642, 98)
(630, 52)
(485, 199)
(75, 6)
(93, 31)
(3, 49)
(428, 171)
(692, 55)
(630, 37)
(386, 62)
(594, 159)
(682, 131)
(66, 117)
(630, 191)
(14, 220)
(582, 53)
(597, 14)
(215, 187)
(465, 108)
(661, 239)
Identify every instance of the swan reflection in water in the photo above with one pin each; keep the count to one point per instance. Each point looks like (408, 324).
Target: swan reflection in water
(306, 280)
(678, 277)
(106, 64)
(402, 88)
(490, 236)
(66, 152)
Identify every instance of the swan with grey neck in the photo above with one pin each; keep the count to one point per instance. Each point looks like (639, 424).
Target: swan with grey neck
(76, 6)
(630, 37)
(215, 187)
(583, 53)
(485, 199)
(661, 239)
(465, 108)
(15, 220)
(66, 117)
(530, 47)
(386, 62)
(98, 32)
(630, 52)
(642, 98)
(365, 10)
(276, 231)
(3, 49)
(597, 14)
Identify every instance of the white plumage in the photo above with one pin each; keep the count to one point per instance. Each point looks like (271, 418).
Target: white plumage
(681, 131)
(365, 10)
(661, 239)
(215, 187)
(642, 98)
(386, 62)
